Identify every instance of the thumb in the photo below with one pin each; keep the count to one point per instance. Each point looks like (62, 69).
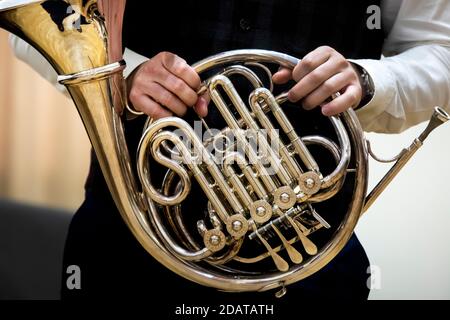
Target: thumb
(201, 107)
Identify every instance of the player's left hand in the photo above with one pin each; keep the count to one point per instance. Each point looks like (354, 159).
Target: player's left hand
(320, 74)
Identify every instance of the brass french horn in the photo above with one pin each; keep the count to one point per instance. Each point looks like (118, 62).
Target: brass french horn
(269, 213)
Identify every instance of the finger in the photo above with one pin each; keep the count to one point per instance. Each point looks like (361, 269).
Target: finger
(177, 87)
(311, 62)
(335, 84)
(147, 105)
(201, 107)
(348, 99)
(314, 79)
(179, 68)
(167, 99)
(282, 76)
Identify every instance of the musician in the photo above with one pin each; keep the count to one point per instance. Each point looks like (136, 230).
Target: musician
(341, 44)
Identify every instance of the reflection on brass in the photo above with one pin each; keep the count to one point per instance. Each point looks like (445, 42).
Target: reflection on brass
(281, 264)
(294, 255)
(256, 199)
(309, 246)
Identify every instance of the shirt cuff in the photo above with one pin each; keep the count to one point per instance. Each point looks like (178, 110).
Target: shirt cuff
(133, 61)
(384, 84)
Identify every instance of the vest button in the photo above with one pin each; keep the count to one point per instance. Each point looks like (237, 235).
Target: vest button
(244, 24)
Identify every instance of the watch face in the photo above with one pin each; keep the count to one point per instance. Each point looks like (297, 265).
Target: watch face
(367, 82)
(367, 86)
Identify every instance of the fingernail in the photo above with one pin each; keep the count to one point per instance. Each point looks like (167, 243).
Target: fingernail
(307, 107)
(203, 102)
(291, 97)
(202, 107)
(326, 111)
(303, 104)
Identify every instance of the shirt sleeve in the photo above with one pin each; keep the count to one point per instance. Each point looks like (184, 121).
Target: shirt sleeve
(413, 76)
(34, 58)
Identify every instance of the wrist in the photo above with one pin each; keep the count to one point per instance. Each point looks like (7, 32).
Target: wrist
(131, 112)
(367, 85)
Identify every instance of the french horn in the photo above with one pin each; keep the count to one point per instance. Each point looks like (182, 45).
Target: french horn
(271, 201)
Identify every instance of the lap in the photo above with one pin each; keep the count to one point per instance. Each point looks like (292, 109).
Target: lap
(114, 265)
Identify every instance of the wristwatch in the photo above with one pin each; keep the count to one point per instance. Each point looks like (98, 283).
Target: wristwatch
(367, 85)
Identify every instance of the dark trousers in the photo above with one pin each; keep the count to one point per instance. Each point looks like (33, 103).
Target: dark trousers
(114, 266)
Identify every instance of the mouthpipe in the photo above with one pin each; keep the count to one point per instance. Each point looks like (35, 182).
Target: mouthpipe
(439, 117)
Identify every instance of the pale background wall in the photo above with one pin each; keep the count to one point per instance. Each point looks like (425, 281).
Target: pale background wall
(44, 151)
(44, 156)
(407, 231)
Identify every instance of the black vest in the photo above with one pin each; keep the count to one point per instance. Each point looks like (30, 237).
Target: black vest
(195, 29)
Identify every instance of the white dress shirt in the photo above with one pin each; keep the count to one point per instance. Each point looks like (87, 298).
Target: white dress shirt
(411, 78)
